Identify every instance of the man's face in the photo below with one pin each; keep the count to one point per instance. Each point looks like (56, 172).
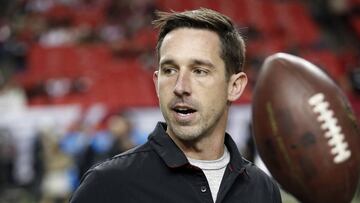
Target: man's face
(191, 83)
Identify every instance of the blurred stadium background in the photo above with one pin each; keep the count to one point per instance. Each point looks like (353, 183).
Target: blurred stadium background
(76, 78)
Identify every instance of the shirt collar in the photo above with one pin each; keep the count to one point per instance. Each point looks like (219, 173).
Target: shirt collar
(172, 155)
(236, 160)
(166, 147)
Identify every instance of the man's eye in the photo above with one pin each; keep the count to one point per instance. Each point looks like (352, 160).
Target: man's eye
(168, 70)
(200, 72)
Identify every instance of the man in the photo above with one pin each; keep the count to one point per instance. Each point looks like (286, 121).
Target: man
(189, 158)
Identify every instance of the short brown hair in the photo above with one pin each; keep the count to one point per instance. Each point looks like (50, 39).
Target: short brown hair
(232, 43)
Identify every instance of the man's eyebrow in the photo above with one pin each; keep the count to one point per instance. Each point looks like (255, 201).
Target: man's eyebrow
(166, 61)
(203, 62)
(193, 62)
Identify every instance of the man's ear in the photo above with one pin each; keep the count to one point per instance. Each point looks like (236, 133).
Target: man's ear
(155, 79)
(237, 83)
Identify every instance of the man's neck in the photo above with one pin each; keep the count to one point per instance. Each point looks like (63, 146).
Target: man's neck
(206, 148)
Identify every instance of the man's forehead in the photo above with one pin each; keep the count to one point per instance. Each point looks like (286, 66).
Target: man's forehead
(191, 38)
(189, 30)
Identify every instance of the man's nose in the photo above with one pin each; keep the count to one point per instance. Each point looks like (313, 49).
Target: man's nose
(183, 84)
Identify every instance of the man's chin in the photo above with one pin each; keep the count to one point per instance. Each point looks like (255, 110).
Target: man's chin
(185, 133)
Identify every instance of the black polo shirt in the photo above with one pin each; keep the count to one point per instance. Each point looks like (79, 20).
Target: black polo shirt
(158, 171)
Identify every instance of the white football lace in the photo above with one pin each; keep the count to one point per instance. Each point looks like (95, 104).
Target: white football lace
(329, 123)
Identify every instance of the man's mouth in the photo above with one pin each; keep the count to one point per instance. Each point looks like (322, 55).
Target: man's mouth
(184, 110)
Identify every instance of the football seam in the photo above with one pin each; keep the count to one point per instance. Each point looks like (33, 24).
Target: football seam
(329, 123)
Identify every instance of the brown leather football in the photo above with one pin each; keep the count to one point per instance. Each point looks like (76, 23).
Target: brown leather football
(305, 130)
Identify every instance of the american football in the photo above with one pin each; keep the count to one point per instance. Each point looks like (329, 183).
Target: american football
(305, 130)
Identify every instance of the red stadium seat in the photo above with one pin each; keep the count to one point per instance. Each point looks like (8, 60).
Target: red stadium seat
(354, 3)
(300, 28)
(263, 16)
(327, 60)
(89, 17)
(67, 60)
(236, 10)
(355, 23)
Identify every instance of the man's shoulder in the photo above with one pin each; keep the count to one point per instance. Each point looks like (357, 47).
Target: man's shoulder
(264, 186)
(127, 159)
(108, 179)
(123, 167)
(252, 168)
(258, 175)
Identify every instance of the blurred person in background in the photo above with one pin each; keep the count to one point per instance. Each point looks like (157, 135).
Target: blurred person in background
(7, 152)
(120, 128)
(56, 185)
(115, 139)
(190, 158)
(12, 96)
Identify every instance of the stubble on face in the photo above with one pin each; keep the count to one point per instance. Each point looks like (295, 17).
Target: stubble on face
(209, 94)
(189, 132)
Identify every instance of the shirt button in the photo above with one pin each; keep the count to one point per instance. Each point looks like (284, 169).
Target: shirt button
(203, 188)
